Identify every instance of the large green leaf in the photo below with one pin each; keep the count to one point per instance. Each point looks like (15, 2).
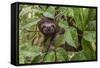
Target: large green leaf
(68, 37)
(31, 23)
(50, 12)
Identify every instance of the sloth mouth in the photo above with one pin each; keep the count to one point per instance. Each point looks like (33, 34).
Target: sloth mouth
(49, 31)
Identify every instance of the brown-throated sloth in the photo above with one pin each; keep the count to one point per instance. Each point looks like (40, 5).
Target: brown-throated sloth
(50, 29)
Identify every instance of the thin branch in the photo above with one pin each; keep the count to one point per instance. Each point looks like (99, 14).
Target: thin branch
(31, 30)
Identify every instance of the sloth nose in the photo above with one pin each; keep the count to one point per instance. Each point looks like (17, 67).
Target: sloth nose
(48, 28)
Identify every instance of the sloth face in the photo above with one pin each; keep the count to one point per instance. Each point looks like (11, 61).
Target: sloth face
(48, 28)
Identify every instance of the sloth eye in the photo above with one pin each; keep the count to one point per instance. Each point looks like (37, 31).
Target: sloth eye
(53, 26)
(43, 26)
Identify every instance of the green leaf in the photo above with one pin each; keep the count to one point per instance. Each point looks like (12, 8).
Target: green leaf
(60, 41)
(63, 24)
(50, 57)
(79, 56)
(90, 36)
(93, 46)
(88, 51)
(61, 54)
(91, 26)
(68, 37)
(29, 52)
(21, 59)
(33, 22)
(37, 59)
(50, 12)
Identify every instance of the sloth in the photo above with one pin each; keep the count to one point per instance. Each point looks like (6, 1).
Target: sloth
(50, 29)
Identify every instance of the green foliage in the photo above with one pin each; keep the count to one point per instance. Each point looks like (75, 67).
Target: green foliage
(61, 54)
(50, 57)
(29, 15)
(50, 12)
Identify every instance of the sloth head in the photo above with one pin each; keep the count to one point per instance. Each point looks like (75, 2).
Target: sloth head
(47, 26)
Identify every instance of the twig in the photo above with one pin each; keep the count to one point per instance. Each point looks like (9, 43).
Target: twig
(31, 30)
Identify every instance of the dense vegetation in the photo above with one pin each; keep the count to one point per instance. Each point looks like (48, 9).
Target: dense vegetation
(29, 15)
